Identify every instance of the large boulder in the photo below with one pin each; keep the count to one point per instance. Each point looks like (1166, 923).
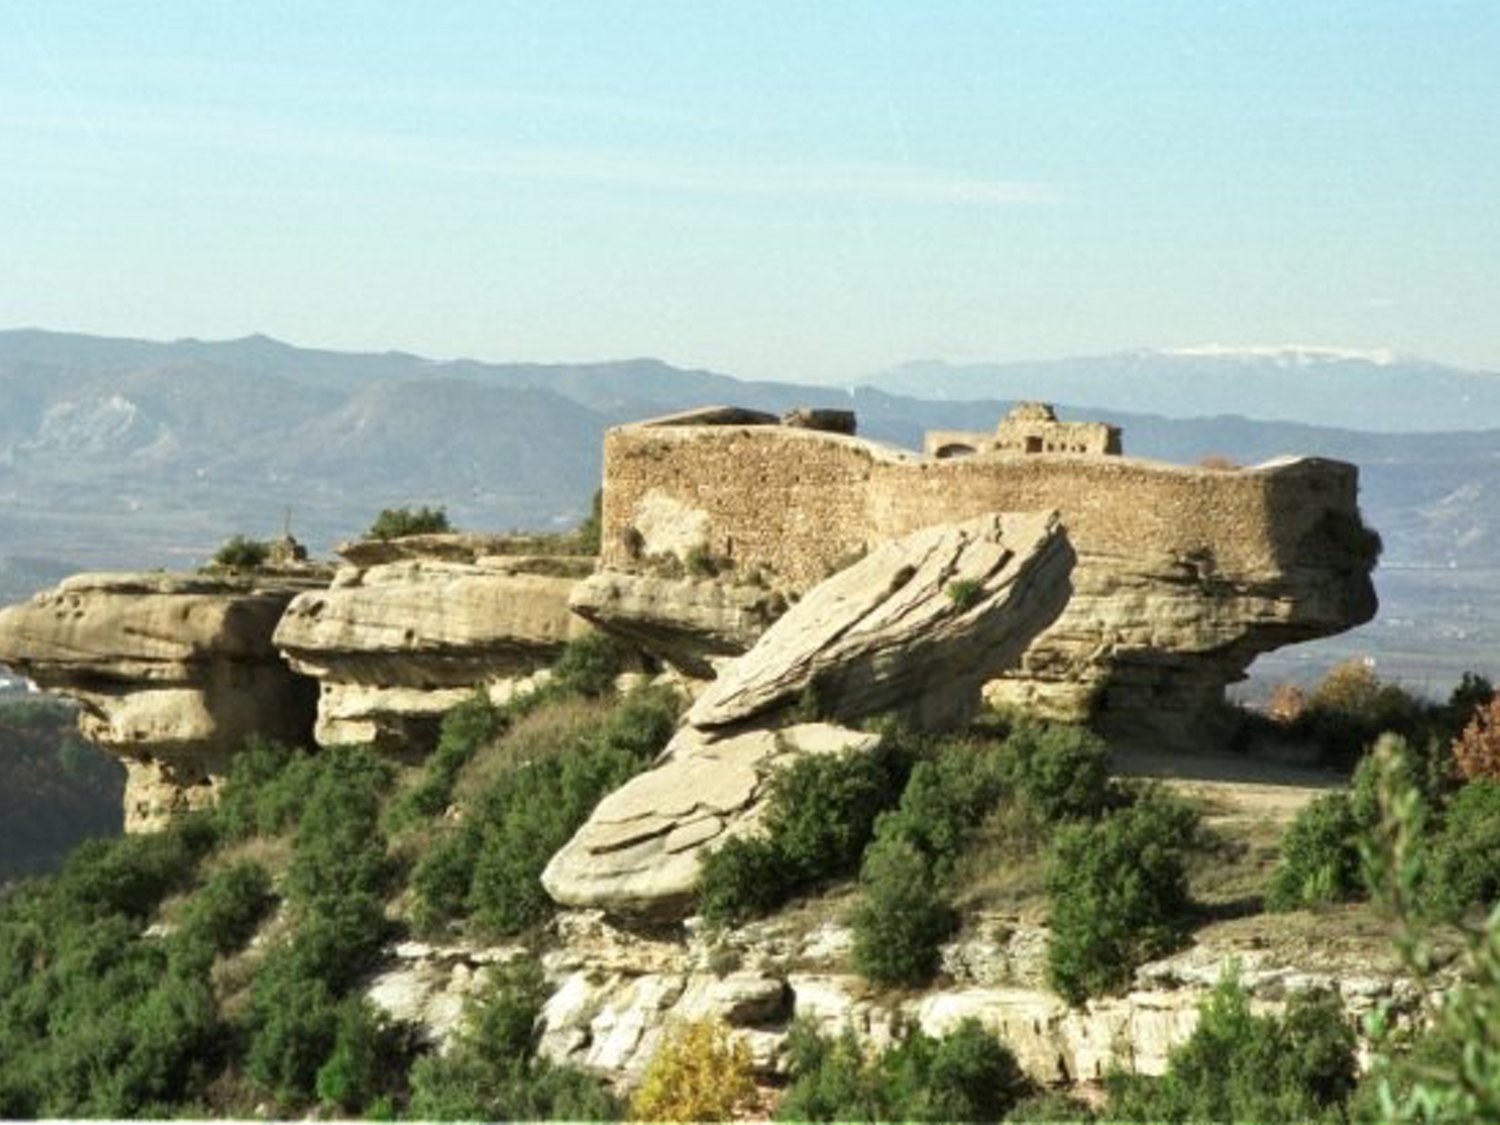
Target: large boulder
(641, 849)
(917, 627)
(171, 673)
(395, 645)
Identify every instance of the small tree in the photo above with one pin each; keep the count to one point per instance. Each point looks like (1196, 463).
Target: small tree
(1477, 749)
(1118, 892)
(239, 552)
(394, 523)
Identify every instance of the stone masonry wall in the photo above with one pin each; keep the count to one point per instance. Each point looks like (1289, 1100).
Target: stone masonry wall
(799, 503)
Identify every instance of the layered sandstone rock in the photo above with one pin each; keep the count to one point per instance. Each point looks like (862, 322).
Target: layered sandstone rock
(394, 646)
(171, 673)
(687, 622)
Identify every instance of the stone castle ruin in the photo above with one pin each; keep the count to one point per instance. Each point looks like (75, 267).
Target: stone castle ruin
(1183, 576)
(1032, 427)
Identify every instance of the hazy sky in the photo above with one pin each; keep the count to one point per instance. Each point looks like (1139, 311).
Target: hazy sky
(789, 190)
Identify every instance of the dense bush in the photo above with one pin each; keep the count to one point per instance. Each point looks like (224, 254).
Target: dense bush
(820, 815)
(96, 1020)
(1352, 706)
(240, 553)
(1059, 772)
(903, 918)
(968, 1075)
(588, 666)
(265, 792)
(1236, 1066)
(335, 882)
(491, 1072)
(491, 866)
(465, 728)
(700, 1072)
(1118, 893)
(1464, 855)
(393, 523)
(1320, 858)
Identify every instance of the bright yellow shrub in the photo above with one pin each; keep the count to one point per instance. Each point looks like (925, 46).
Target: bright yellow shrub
(701, 1072)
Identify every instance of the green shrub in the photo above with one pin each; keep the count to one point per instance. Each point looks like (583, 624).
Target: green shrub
(819, 816)
(1241, 1067)
(1464, 864)
(491, 866)
(965, 593)
(1320, 858)
(967, 1075)
(903, 918)
(368, 1062)
(588, 666)
(95, 1019)
(1118, 893)
(222, 915)
(1059, 772)
(240, 553)
(268, 785)
(465, 728)
(394, 523)
(491, 1072)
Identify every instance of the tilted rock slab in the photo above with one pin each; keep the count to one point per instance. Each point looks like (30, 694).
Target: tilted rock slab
(641, 850)
(171, 672)
(687, 622)
(917, 627)
(394, 646)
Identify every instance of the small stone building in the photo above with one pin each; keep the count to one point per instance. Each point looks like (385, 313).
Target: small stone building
(1032, 427)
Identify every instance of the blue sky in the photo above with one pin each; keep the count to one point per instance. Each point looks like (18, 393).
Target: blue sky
(788, 190)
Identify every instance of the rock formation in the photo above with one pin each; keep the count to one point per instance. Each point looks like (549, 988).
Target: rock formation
(916, 628)
(395, 645)
(171, 674)
(1184, 575)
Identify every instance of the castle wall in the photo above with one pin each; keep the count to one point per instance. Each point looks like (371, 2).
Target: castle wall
(800, 503)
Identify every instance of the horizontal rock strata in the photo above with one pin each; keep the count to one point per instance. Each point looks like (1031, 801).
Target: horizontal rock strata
(171, 673)
(687, 622)
(394, 646)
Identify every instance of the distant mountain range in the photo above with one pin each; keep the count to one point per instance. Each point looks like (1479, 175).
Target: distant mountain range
(129, 452)
(1379, 391)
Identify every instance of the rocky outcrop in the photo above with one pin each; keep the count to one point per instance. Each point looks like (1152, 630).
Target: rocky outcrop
(690, 623)
(641, 849)
(915, 628)
(171, 673)
(394, 646)
(615, 992)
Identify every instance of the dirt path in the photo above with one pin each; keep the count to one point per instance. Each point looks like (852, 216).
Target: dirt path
(1232, 787)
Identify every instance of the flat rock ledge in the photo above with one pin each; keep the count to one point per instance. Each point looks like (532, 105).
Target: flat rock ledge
(641, 850)
(917, 627)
